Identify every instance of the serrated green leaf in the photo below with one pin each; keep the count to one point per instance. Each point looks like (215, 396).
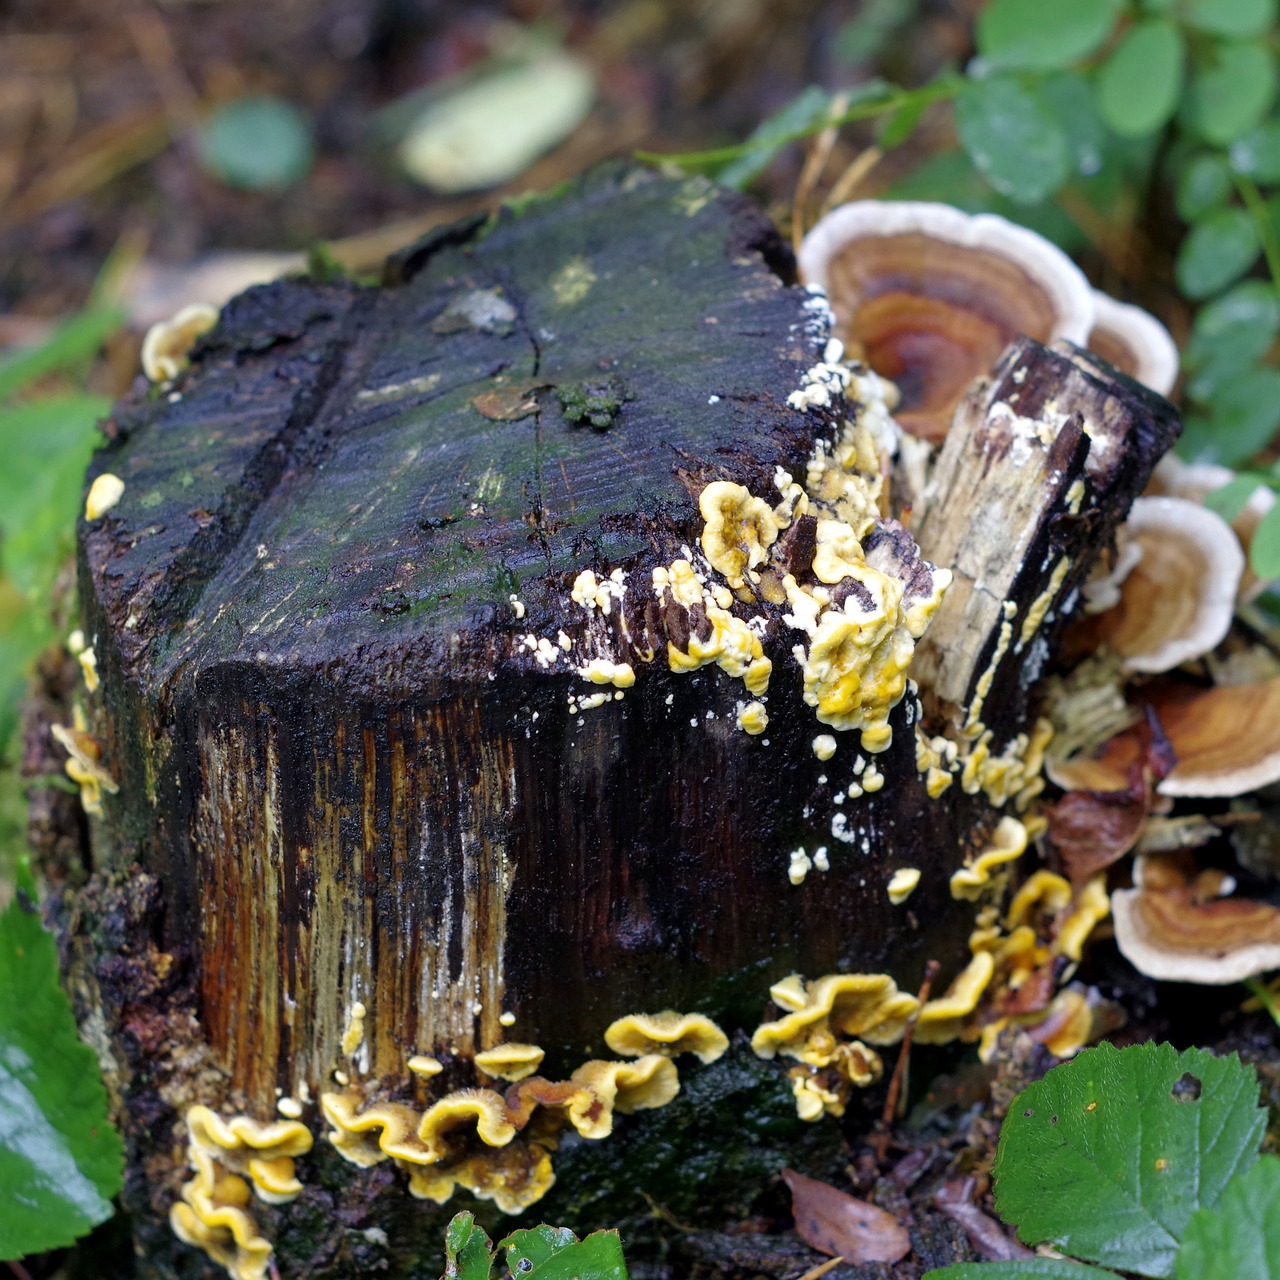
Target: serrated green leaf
(531, 1246)
(467, 1250)
(1029, 35)
(1022, 1269)
(1013, 139)
(1140, 83)
(806, 109)
(257, 143)
(1204, 184)
(1241, 419)
(61, 1162)
(1231, 94)
(596, 1257)
(1257, 153)
(1241, 1238)
(1106, 1161)
(1230, 17)
(1218, 250)
(1264, 549)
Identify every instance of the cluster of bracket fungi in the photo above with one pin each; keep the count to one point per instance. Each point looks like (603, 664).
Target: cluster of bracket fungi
(923, 299)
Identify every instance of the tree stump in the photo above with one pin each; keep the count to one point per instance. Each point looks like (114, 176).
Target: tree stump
(380, 745)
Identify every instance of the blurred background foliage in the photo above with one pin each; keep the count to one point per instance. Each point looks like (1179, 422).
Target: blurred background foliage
(198, 147)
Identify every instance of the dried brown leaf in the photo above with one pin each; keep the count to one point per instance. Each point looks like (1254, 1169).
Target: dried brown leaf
(989, 1239)
(834, 1222)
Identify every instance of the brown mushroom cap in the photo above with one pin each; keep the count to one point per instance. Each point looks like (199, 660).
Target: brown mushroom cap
(1227, 739)
(931, 296)
(1177, 602)
(1166, 929)
(1135, 342)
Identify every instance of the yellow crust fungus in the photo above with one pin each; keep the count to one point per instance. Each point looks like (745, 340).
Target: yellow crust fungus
(513, 1178)
(601, 671)
(510, 1062)
(353, 1036)
(752, 718)
(1092, 907)
(739, 529)
(365, 1138)
(1044, 892)
(459, 1109)
(606, 1087)
(868, 1006)
(942, 1020)
(732, 646)
(88, 661)
(902, 884)
(167, 347)
(1008, 841)
(212, 1216)
(669, 1033)
(104, 493)
(424, 1066)
(83, 767)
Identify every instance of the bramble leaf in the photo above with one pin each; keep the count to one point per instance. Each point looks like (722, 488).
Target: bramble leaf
(467, 1250)
(1021, 1269)
(1139, 84)
(1242, 1236)
(1029, 35)
(1110, 1154)
(1013, 138)
(61, 1161)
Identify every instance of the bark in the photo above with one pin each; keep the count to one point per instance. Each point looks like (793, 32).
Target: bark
(345, 775)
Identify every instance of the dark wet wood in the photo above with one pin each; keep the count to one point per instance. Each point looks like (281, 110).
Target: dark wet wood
(347, 774)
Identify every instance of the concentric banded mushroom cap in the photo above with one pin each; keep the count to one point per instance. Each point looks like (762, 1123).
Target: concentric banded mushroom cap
(1168, 928)
(930, 296)
(1135, 342)
(1227, 738)
(1177, 602)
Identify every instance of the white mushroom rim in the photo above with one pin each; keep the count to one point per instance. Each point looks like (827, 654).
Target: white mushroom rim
(1069, 294)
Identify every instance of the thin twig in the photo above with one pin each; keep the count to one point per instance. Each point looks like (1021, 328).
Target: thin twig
(815, 162)
(19, 1270)
(852, 177)
(1262, 223)
(880, 1139)
(814, 1273)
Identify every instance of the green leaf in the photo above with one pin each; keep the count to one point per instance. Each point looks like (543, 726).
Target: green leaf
(1106, 1158)
(1204, 184)
(1241, 1238)
(1230, 17)
(257, 143)
(1264, 549)
(1229, 500)
(1022, 1269)
(467, 1250)
(1012, 137)
(76, 340)
(804, 111)
(598, 1257)
(1249, 314)
(1029, 35)
(1257, 153)
(1218, 250)
(867, 33)
(1229, 96)
(61, 1162)
(1241, 418)
(1140, 83)
(1073, 106)
(528, 1248)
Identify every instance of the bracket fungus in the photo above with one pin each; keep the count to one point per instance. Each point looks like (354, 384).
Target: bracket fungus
(1008, 841)
(1180, 927)
(930, 296)
(211, 1215)
(1178, 599)
(511, 1061)
(1135, 342)
(668, 1033)
(166, 349)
